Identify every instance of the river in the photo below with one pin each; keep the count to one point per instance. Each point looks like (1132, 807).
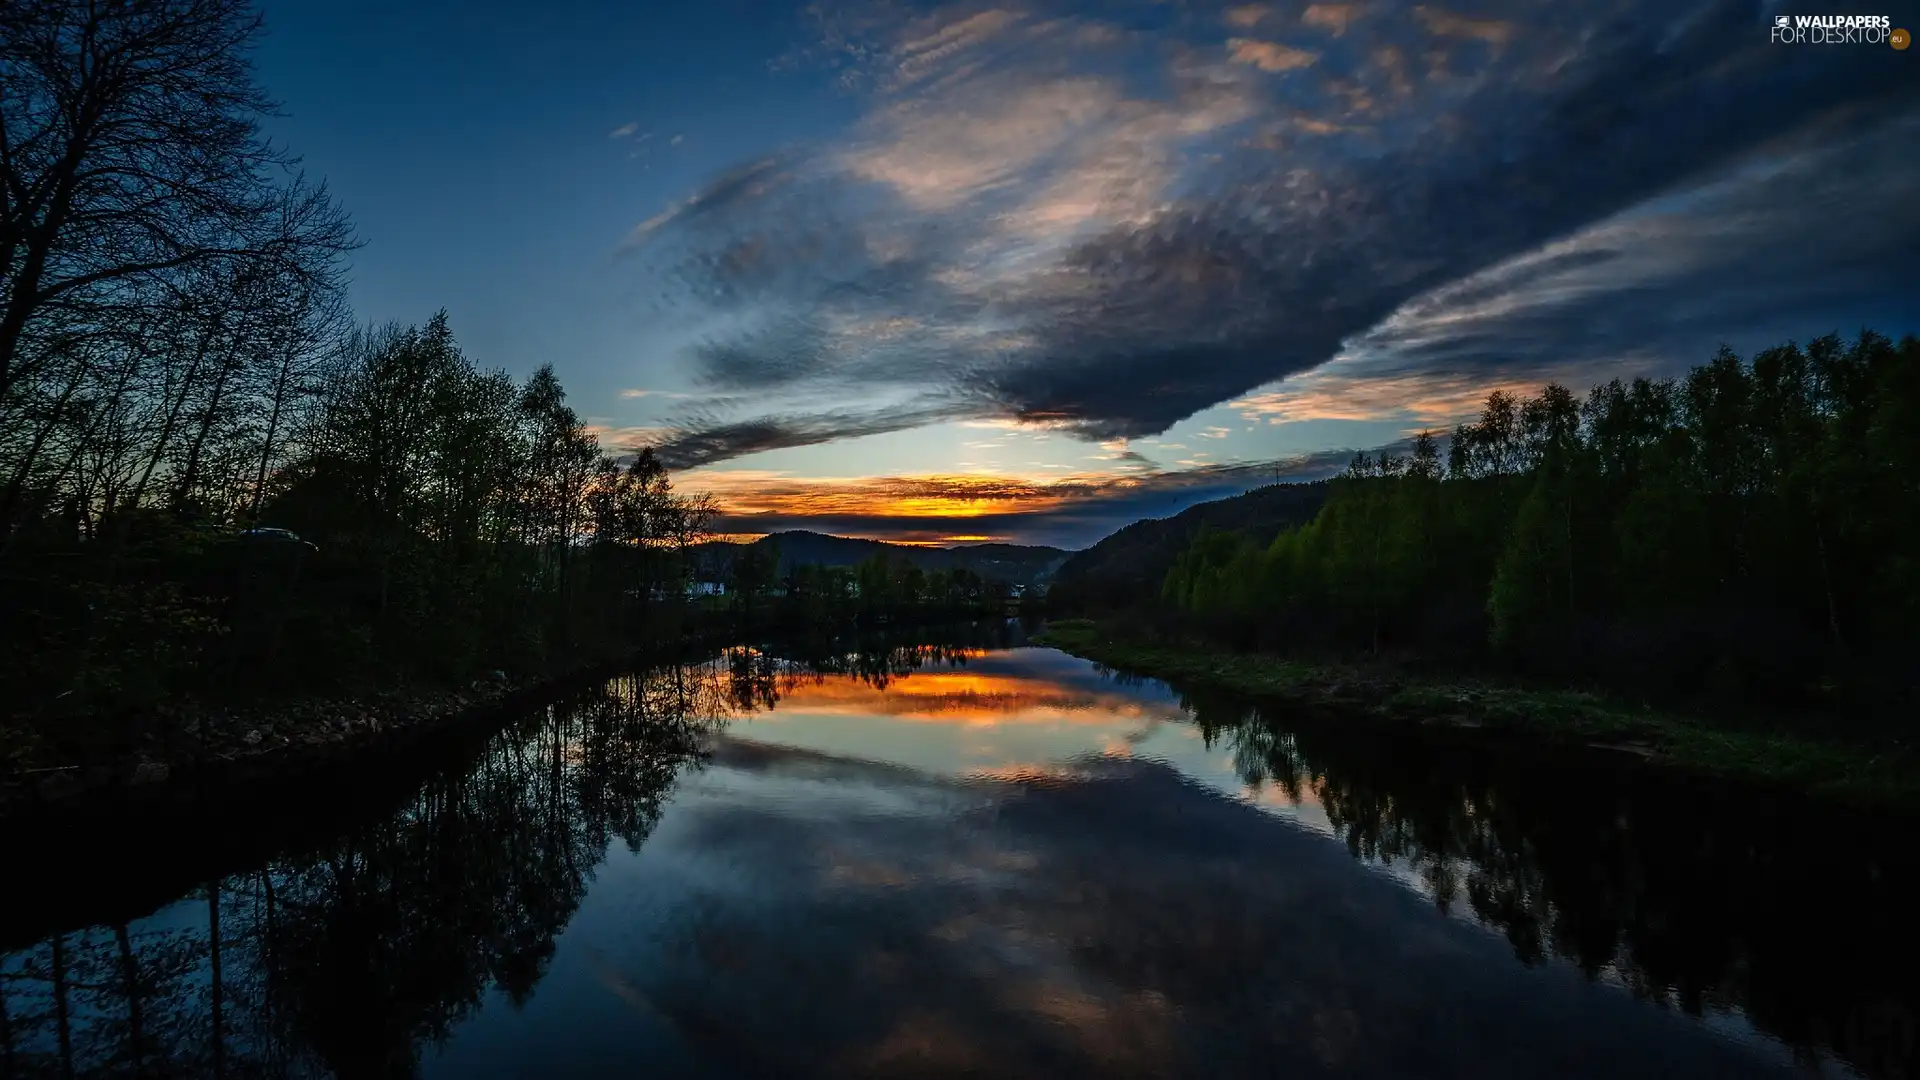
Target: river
(971, 859)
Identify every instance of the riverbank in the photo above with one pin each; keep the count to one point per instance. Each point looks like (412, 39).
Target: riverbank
(191, 750)
(1885, 775)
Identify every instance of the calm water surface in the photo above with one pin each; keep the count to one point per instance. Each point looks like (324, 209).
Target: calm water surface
(931, 861)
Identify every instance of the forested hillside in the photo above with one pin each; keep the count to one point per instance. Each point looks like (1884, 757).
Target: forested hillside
(1013, 563)
(1744, 532)
(1127, 567)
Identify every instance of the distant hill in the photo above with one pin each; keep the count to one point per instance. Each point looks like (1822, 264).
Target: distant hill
(1129, 566)
(1016, 563)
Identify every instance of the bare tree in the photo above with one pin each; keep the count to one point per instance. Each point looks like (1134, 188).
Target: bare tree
(131, 153)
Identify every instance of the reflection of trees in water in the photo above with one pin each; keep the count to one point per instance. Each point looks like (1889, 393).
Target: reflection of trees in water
(350, 958)
(1688, 899)
(874, 659)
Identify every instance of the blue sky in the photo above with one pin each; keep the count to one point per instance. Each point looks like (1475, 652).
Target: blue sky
(1028, 271)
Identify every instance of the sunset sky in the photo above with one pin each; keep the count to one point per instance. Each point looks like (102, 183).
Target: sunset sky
(1030, 271)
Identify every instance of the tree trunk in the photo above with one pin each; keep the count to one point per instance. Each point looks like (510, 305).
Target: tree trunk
(183, 486)
(63, 1017)
(280, 392)
(7, 1069)
(10, 501)
(218, 986)
(26, 294)
(130, 972)
(1826, 585)
(173, 417)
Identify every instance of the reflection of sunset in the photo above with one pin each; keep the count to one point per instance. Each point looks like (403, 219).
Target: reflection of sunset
(1015, 722)
(1272, 794)
(966, 698)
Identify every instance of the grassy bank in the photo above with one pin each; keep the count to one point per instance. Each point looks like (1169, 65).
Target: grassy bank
(1884, 775)
(192, 746)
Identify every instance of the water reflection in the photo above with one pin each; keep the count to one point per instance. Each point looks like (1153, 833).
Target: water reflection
(869, 858)
(1705, 900)
(348, 959)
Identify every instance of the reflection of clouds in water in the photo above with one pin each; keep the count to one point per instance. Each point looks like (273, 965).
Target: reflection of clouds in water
(1027, 705)
(1024, 710)
(1107, 918)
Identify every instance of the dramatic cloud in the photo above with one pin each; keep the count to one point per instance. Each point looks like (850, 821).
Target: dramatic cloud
(1105, 225)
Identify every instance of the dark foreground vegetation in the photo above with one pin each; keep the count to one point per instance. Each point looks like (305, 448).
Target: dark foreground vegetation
(1735, 545)
(1543, 713)
(444, 524)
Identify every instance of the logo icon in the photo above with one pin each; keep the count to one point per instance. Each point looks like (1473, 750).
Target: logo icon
(1838, 30)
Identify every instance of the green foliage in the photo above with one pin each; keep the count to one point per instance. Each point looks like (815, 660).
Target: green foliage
(1746, 527)
(754, 572)
(1128, 568)
(454, 522)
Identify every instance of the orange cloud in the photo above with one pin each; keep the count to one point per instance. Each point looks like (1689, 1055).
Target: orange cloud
(1069, 507)
(1334, 18)
(626, 440)
(1447, 24)
(1269, 55)
(1434, 399)
(1246, 15)
(1390, 64)
(1348, 391)
(746, 492)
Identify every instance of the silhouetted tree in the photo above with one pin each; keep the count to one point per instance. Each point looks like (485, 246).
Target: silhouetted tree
(1738, 529)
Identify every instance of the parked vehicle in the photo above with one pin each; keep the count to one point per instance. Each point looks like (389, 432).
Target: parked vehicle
(276, 536)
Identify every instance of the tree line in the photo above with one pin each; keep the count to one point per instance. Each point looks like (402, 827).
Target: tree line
(759, 586)
(1744, 531)
(179, 369)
